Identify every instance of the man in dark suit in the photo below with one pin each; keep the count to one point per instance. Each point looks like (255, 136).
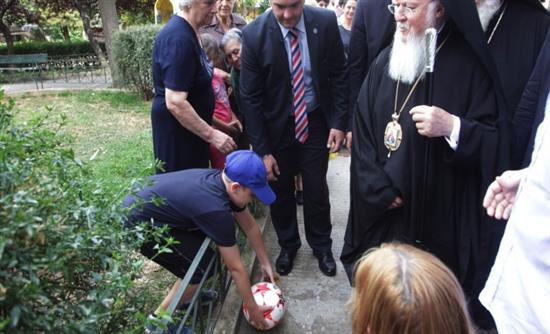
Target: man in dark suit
(294, 99)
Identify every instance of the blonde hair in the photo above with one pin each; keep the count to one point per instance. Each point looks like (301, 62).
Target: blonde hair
(401, 289)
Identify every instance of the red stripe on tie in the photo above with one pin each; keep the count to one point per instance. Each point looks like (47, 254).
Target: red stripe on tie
(298, 88)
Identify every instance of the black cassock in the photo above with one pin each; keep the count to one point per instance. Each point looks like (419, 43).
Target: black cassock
(453, 195)
(515, 36)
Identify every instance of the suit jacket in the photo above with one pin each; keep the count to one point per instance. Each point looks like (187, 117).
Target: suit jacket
(372, 31)
(266, 89)
(532, 105)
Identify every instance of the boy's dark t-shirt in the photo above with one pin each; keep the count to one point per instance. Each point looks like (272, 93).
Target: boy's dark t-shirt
(193, 198)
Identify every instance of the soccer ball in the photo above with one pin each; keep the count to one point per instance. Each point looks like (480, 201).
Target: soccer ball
(269, 294)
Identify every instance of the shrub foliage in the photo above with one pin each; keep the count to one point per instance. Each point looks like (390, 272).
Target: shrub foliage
(66, 263)
(51, 48)
(132, 51)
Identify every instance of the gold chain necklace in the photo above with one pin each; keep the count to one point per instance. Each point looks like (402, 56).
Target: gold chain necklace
(393, 134)
(498, 23)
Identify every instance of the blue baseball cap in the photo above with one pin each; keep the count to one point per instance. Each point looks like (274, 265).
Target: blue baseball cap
(247, 168)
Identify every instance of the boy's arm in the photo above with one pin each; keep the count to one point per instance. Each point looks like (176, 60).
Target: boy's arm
(232, 259)
(252, 231)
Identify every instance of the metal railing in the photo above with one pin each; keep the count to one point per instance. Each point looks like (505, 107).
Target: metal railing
(200, 317)
(71, 69)
(76, 68)
(194, 312)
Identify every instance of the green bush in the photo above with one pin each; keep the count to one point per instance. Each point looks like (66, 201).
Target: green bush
(132, 51)
(51, 48)
(66, 263)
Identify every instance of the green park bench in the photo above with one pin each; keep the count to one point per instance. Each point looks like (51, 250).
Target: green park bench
(25, 63)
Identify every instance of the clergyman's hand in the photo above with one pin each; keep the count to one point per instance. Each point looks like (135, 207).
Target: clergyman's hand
(335, 139)
(501, 194)
(397, 202)
(271, 167)
(222, 141)
(432, 121)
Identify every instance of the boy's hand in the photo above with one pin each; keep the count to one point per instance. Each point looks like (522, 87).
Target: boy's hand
(268, 275)
(256, 316)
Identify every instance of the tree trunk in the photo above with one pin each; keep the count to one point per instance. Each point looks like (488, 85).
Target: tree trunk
(85, 10)
(109, 17)
(7, 36)
(66, 34)
(39, 35)
(4, 28)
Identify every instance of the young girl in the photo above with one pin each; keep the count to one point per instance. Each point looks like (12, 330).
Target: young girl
(223, 119)
(400, 289)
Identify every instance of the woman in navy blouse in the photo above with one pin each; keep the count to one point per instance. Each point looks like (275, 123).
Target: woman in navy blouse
(183, 104)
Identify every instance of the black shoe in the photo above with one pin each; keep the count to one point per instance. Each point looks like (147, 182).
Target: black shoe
(299, 197)
(326, 263)
(284, 262)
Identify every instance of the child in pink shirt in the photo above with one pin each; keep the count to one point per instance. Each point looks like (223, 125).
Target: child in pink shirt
(223, 119)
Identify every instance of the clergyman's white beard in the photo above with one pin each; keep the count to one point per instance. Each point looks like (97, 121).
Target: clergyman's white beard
(486, 9)
(407, 60)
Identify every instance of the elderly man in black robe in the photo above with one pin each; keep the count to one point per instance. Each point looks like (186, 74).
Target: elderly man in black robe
(402, 193)
(514, 32)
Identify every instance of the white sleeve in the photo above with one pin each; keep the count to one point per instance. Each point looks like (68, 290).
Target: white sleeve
(453, 140)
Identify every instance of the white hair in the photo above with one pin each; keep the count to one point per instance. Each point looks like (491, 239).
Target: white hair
(408, 59)
(486, 9)
(185, 4)
(233, 34)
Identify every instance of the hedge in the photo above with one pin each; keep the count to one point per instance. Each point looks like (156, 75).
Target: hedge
(51, 48)
(132, 52)
(67, 265)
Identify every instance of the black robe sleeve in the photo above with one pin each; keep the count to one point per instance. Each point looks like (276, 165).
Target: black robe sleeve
(477, 126)
(526, 118)
(372, 189)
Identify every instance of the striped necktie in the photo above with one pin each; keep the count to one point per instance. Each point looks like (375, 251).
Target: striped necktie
(298, 88)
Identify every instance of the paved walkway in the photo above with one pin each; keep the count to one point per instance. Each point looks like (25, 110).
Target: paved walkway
(315, 303)
(59, 85)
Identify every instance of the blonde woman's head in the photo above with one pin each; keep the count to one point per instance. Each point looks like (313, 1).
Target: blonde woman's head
(401, 289)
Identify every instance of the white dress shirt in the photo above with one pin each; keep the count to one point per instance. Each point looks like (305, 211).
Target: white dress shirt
(309, 94)
(517, 292)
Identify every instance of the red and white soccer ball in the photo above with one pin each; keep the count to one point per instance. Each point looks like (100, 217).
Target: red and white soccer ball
(269, 294)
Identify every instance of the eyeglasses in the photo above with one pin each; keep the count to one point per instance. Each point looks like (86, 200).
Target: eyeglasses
(407, 11)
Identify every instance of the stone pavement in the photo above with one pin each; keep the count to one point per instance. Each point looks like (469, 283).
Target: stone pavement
(315, 303)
